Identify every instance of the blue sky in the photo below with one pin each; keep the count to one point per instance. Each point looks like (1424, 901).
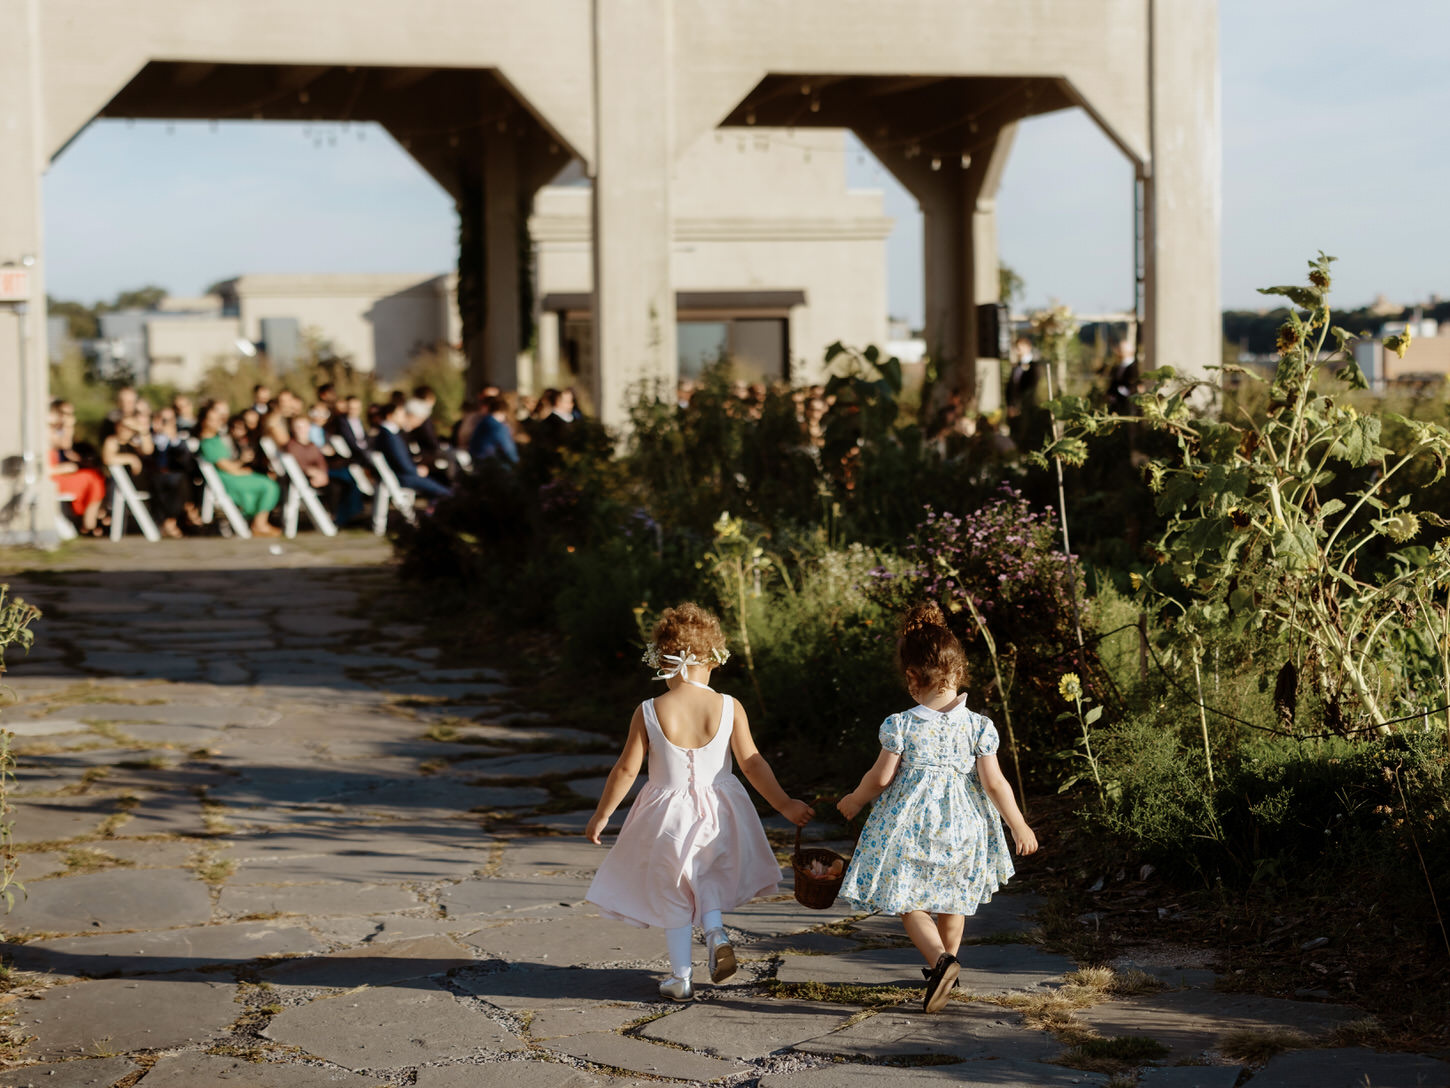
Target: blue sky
(1336, 136)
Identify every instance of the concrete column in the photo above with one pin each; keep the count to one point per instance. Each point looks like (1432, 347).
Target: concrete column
(27, 499)
(960, 251)
(634, 300)
(546, 364)
(986, 259)
(1184, 325)
(501, 258)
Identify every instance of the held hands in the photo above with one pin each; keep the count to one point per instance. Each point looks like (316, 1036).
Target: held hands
(848, 806)
(797, 812)
(1025, 839)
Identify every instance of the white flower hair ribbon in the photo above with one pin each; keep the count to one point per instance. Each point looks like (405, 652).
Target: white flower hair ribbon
(672, 665)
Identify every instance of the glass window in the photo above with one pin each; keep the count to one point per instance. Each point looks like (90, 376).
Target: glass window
(758, 349)
(701, 343)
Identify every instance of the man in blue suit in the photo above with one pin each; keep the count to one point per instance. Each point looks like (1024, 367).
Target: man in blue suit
(389, 441)
(492, 436)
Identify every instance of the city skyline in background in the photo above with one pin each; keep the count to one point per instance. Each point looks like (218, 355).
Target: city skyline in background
(1312, 159)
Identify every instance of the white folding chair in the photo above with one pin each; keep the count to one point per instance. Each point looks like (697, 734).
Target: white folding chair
(390, 493)
(126, 499)
(302, 494)
(356, 471)
(214, 497)
(64, 530)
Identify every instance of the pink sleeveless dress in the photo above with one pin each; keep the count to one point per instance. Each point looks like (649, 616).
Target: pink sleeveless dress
(692, 841)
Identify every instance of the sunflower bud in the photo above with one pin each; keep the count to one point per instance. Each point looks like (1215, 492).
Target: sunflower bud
(1288, 338)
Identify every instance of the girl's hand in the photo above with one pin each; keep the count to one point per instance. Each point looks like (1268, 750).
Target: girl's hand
(1026, 841)
(797, 812)
(848, 806)
(595, 827)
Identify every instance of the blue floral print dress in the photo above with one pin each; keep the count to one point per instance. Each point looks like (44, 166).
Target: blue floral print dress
(934, 840)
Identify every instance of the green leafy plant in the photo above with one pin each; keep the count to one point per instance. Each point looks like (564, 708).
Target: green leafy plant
(1289, 524)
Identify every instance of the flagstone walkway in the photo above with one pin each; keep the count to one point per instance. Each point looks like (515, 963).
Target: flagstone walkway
(272, 835)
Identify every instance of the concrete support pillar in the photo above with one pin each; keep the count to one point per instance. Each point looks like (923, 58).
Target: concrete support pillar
(27, 500)
(958, 207)
(1181, 253)
(502, 221)
(634, 300)
(546, 362)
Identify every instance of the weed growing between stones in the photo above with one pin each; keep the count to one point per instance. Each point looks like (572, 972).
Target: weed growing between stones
(84, 859)
(1255, 1046)
(846, 993)
(1115, 1055)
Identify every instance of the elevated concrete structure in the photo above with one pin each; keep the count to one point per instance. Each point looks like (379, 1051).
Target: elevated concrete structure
(493, 97)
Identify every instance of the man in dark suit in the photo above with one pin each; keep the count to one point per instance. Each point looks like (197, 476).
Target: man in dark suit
(493, 437)
(349, 426)
(389, 441)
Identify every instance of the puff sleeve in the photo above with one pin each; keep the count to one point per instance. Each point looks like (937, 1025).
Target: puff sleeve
(987, 741)
(893, 734)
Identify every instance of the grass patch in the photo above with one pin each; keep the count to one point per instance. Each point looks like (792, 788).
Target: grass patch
(84, 859)
(1115, 1055)
(84, 694)
(1255, 1046)
(212, 869)
(443, 733)
(1366, 1032)
(869, 997)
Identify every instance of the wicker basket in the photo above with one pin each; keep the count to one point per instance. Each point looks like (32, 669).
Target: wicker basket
(816, 892)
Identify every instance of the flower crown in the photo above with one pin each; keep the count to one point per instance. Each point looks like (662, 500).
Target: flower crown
(671, 665)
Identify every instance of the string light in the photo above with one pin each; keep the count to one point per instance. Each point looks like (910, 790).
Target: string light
(805, 88)
(815, 105)
(750, 117)
(935, 163)
(966, 160)
(303, 96)
(453, 139)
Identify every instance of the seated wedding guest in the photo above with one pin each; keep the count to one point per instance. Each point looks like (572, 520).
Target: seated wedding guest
(350, 425)
(344, 499)
(389, 441)
(126, 399)
(256, 495)
(172, 466)
(327, 395)
(493, 437)
(261, 400)
(289, 404)
(279, 430)
(318, 417)
(554, 417)
(131, 447)
(85, 485)
(244, 430)
(185, 414)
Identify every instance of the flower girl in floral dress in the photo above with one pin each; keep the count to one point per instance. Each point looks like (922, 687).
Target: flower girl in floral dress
(692, 845)
(933, 844)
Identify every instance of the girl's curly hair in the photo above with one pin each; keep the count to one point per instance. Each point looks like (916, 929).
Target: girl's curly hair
(928, 653)
(688, 628)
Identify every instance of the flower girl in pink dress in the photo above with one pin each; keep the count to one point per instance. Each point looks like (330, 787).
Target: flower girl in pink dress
(692, 845)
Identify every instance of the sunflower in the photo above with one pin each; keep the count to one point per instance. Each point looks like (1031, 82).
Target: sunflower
(1070, 687)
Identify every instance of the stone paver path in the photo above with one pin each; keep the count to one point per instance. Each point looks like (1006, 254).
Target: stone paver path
(272, 836)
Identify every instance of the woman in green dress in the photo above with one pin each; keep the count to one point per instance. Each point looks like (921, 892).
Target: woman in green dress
(256, 495)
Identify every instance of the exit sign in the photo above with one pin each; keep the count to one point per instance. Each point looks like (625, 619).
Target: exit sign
(14, 285)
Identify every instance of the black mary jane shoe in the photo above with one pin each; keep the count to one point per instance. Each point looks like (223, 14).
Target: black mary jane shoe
(939, 982)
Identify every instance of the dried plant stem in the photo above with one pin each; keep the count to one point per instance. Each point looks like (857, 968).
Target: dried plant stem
(1002, 689)
(1202, 716)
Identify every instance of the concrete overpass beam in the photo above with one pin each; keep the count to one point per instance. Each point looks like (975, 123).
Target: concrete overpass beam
(634, 301)
(28, 508)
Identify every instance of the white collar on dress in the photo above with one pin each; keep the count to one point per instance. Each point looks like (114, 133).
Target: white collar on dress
(927, 713)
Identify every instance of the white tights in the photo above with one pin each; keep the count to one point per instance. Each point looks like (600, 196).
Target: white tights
(681, 939)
